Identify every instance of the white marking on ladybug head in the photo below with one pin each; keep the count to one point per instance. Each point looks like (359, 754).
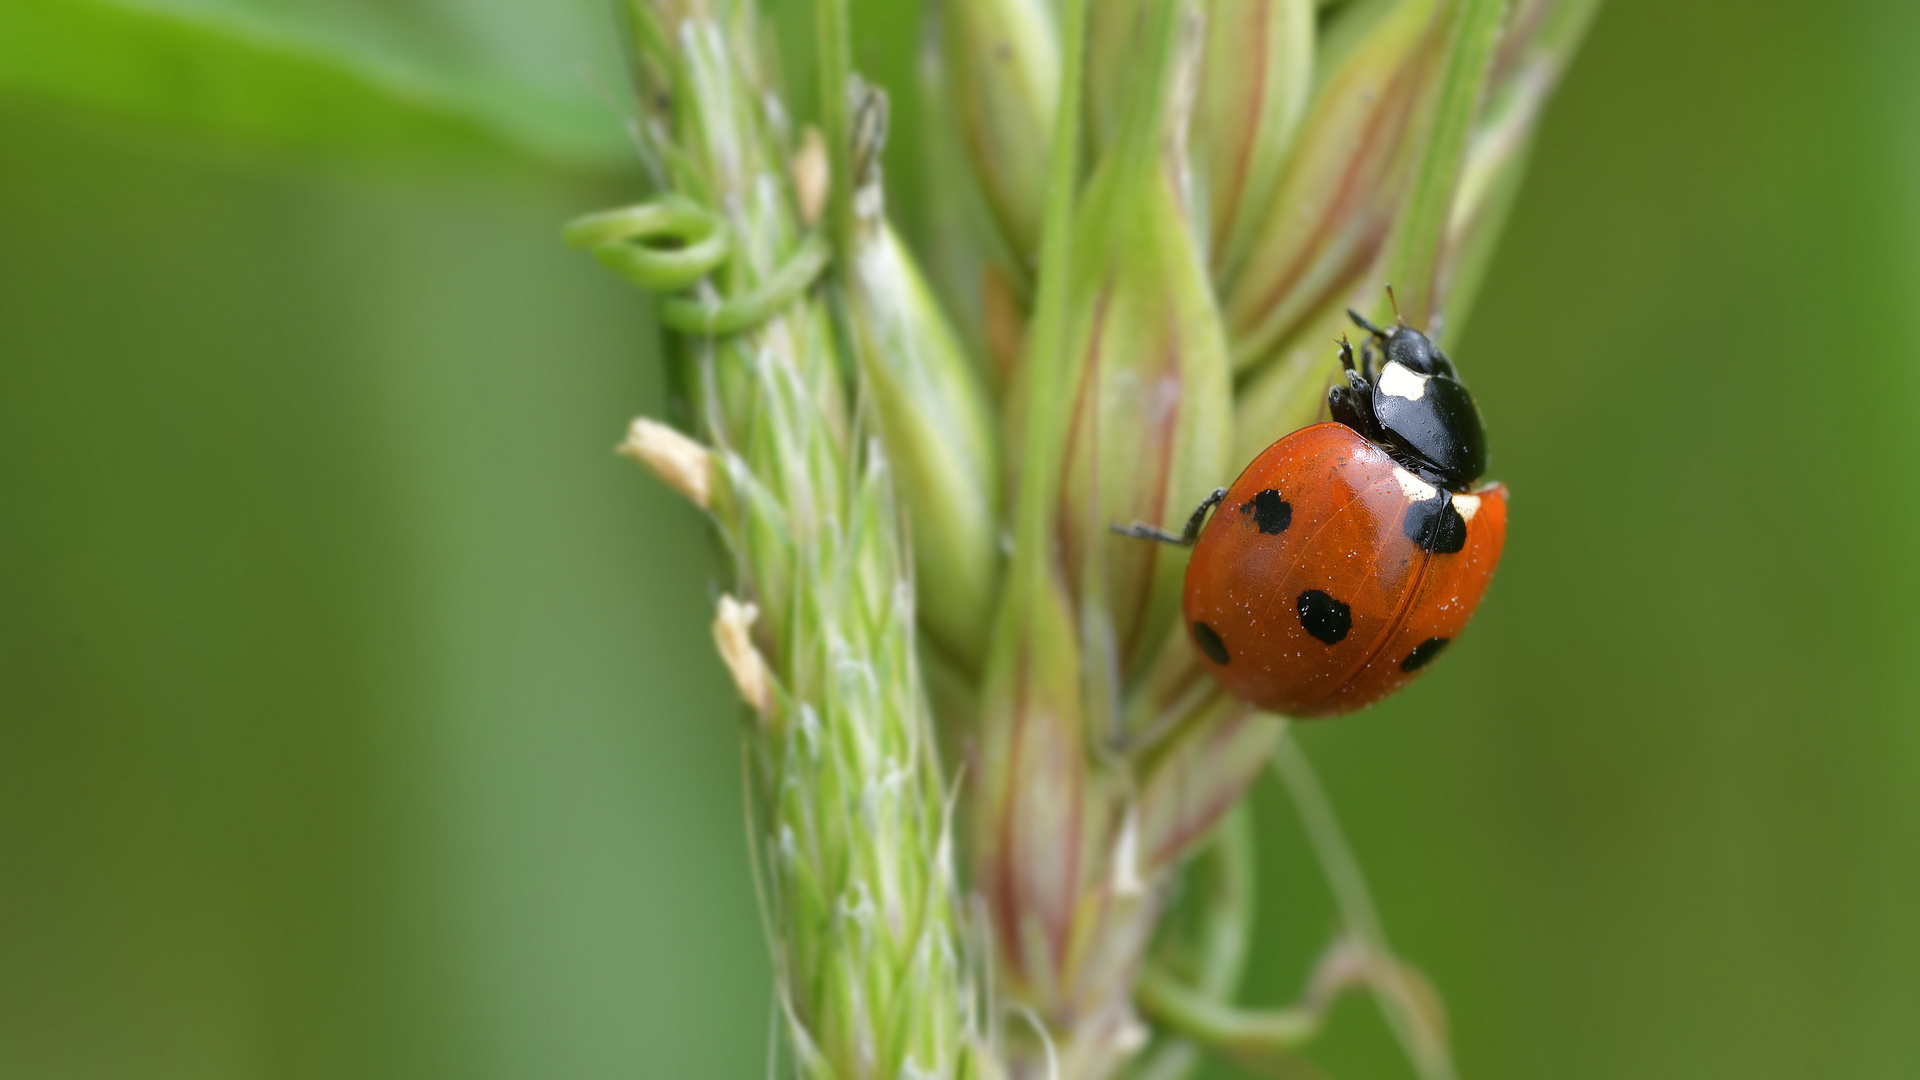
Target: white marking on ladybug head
(1468, 505)
(1414, 488)
(1398, 380)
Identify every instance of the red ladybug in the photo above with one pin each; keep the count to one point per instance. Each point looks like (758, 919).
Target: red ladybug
(1348, 554)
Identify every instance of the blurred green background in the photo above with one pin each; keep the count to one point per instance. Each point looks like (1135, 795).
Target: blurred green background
(357, 713)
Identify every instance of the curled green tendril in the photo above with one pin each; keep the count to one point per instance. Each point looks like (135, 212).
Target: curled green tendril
(715, 317)
(671, 243)
(664, 245)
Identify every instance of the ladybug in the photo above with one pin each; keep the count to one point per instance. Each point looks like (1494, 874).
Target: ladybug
(1348, 554)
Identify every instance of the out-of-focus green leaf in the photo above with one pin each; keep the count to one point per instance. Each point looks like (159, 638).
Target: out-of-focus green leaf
(540, 77)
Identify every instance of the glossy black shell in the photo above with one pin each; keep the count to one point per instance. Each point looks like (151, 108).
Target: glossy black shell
(1442, 429)
(1422, 413)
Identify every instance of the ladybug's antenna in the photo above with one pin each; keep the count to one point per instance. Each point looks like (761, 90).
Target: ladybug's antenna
(1395, 301)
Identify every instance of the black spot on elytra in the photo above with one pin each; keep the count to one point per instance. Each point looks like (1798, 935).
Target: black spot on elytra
(1435, 525)
(1210, 643)
(1269, 511)
(1423, 654)
(1324, 617)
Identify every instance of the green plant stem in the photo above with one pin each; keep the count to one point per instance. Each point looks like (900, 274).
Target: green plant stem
(1215, 1023)
(1223, 879)
(836, 69)
(1227, 917)
(1425, 1047)
(1413, 257)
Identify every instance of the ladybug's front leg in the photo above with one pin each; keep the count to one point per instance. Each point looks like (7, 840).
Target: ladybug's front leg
(1352, 404)
(1360, 321)
(1140, 530)
(1364, 372)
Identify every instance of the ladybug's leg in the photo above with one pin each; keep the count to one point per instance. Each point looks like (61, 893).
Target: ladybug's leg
(1360, 321)
(1365, 370)
(1140, 530)
(1352, 404)
(1192, 532)
(1342, 404)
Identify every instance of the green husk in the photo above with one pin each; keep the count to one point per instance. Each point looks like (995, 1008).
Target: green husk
(1004, 65)
(1127, 392)
(1147, 396)
(1412, 262)
(1345, 180)
(1255, 77)
(940, 432)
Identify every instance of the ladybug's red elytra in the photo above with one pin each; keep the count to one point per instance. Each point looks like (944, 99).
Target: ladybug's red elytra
(1348, 554)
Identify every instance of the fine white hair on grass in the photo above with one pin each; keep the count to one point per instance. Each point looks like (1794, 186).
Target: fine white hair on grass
(809, 1060)
(1046, 1039)
(810, 731)
(857, 671)
(857, 907)
(756, 850)
(903, 605)
(943, 851)
(1126, 856)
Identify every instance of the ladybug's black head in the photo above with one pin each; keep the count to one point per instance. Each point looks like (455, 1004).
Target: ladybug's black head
(1415, 407)
(1411, 349)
